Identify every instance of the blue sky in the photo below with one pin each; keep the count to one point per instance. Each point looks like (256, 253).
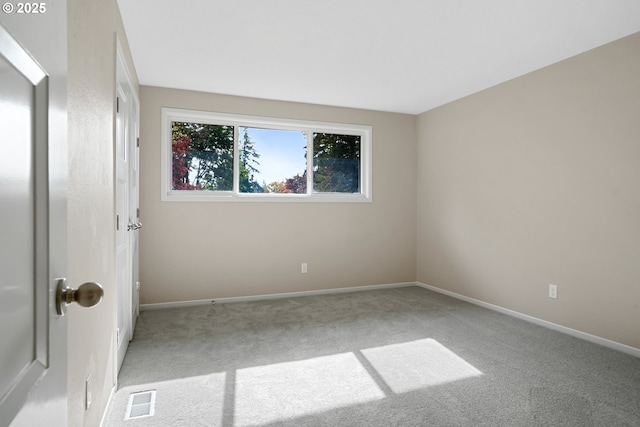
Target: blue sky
(282, 153)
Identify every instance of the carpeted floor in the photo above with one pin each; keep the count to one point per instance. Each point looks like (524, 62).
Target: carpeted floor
(393, 357)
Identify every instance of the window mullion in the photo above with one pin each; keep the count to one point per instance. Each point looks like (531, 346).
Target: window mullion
(309, 162)
(236, 161)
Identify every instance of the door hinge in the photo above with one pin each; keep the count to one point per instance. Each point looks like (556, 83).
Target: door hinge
(117, 104)
(137, 212)
(117, 222)
(138, 142)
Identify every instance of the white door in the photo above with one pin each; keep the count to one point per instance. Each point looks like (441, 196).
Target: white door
(33, 337)
(127, 221)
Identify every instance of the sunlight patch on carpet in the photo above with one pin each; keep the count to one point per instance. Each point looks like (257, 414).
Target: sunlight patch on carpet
(418, 364)
(288, 390)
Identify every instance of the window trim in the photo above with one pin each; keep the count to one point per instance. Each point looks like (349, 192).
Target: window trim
(170, 115)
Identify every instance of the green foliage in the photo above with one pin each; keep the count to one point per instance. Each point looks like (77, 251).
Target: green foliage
(210, 156)
(203, 160)
(248, 158)
(336, 161)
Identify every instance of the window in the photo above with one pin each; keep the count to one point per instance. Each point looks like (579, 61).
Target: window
(224, 157)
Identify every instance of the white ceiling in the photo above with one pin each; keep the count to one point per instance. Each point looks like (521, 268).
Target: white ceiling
(403, 56)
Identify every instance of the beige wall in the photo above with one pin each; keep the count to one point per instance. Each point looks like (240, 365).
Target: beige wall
(532, 182)
(203, 250)
(537, 181)
(92, 27)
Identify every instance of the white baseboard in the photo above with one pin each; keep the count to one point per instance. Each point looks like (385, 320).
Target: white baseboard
(178, 304)
(573, 332)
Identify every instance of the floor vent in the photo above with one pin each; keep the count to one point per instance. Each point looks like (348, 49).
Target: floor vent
(141, 405)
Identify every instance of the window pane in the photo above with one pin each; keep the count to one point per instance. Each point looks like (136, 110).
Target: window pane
(272, 161)
(202, 156)
(336, 163)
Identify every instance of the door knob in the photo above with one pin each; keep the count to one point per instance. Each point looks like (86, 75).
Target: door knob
(135, 226)
(87, 295)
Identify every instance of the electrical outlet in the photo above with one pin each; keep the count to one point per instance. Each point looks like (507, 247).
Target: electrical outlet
(87, 393)
(553, 291)
(303, 268)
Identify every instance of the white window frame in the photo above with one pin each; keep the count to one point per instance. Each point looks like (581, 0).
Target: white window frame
(170, 115)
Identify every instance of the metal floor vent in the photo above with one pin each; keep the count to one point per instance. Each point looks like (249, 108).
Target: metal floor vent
(141, 404)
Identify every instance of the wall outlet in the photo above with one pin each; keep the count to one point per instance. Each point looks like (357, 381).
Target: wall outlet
(87, 393)
(553, 291)
(303, 268)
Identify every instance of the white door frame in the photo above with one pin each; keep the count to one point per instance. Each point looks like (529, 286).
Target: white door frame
(127, 220)
(134, 203)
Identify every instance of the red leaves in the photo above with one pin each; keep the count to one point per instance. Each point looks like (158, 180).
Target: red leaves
(297, 184)
(180, 176)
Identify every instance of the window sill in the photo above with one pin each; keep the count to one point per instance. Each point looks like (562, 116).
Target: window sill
(187, 196)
